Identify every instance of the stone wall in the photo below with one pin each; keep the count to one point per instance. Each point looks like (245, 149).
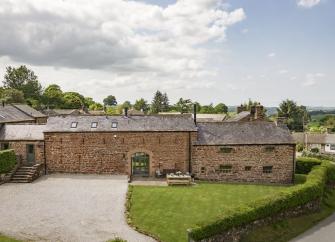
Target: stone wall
(246, 161)
(236, 234)
(110, 152)
(20, 148)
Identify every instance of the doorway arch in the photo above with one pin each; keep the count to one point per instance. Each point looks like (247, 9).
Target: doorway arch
(140, 164)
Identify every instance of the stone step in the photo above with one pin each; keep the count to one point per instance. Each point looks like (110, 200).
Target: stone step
(22, 176)
(25, 172)
(19, 181)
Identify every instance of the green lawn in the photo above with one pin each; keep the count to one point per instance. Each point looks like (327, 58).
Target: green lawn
(167, 212)
(6, 239)
(290, 228)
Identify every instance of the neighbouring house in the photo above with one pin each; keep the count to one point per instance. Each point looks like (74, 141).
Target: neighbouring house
(61, 112)
(325, 143)
(208, 118)
(255, 113)
(244, 151)
(20, 113)
(26, 139)
(147, 145)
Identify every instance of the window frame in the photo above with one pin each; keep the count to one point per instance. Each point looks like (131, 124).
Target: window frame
(247, 168)
(225, 168)
(94, 123)
(114, 125)
(267, 169)
(270, 148)
(74, 125)
(226, 149)
(332, 147)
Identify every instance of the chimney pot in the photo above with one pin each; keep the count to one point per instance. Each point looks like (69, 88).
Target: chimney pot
(195, 113)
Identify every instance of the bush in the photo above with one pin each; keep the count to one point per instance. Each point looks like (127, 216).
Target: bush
(117, 239)
(305, 164)
(297, 195)
(300, 147)
(7, 161)
(318, 156)
(315, 150)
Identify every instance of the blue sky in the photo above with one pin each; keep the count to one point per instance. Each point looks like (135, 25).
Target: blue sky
(206, 50)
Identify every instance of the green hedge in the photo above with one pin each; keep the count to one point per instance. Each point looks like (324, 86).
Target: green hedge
(297, 195)
(305, 164)
(7, 161)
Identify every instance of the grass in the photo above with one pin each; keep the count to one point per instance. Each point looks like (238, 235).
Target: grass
(290, 228)
(167, 212)
(6, 239)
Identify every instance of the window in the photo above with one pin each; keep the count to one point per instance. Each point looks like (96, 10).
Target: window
(225, 168)
(114, 125)
(267, 169)
(332, 147)
(269, 148)
(4, 146)
(94, 125)
(247, 168)
(226, 149)
(203, 170)
(74, 124)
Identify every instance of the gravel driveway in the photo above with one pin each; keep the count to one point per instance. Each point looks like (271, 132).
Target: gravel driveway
(67, 208)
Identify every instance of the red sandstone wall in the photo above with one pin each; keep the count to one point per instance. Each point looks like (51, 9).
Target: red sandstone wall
(210, 157)
(111, 152)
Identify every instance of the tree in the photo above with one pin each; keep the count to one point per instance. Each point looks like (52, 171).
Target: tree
(156, 105)
(53, 96)
(184, 105)
(165, 103)
(23, 79)
(141, 105)
(207, 109)
(96, 106)
(110, 101)
(73, 100)
(297, 116)
(221, 108)
(11, 95)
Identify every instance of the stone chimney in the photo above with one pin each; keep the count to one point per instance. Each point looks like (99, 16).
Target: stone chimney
(259, 112)
(252, 113)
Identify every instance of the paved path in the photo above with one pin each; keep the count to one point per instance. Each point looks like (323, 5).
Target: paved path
(322, 232)
(67, 208)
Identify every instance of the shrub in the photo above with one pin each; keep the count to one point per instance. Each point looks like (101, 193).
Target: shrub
(7, 160)
(300, 147)
(305, 164)
(318, 156)
(315, 150)
(117, 239)
(297, 195)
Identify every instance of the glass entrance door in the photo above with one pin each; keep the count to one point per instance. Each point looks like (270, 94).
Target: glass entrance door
(140, 164)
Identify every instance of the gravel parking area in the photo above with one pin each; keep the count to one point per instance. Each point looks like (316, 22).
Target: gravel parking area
(67, 208)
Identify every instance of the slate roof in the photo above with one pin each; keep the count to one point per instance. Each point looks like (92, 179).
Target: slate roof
(204, 117)
(56, 112)
(131, 123)
(13, 132)
(300, 137)
(240, 116)
(29, 110)
(242, 133)
(10, 114)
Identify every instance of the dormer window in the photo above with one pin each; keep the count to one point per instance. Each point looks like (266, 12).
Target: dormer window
(94, 125)
(74, 125)
(114, 125)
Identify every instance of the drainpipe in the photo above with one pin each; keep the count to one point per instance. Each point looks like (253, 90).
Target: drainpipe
(189, 153)
(45, 158)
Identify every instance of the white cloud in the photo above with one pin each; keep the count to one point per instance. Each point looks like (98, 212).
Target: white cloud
(245, 31)
(308, 3)
(283, 71)
(272, 55)
(132, 40)
(312, 79)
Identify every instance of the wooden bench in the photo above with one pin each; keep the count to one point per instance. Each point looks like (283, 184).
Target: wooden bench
(178, 180)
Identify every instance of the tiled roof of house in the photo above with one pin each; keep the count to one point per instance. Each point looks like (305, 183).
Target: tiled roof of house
(12, 132)
(240, 133)
(204, 117)
(29, 110)
(131, 123)
(240, 116)
(10, 114)
(311, 138)
(56, 112)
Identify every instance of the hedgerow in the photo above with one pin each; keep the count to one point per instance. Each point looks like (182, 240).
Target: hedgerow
(295, 196)
(305, 164)
(7, 161)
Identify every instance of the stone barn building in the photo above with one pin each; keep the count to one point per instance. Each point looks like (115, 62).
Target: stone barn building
(244, 151)
(148, 145)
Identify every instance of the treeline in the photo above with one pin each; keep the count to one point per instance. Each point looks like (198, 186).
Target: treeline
(21, 85)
